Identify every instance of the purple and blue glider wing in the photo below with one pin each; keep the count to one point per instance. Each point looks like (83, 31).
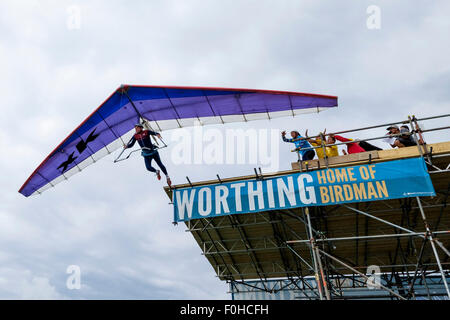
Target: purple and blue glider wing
(108, 127)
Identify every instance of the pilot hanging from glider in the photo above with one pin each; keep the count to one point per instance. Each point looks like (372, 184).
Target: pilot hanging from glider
(149, 150)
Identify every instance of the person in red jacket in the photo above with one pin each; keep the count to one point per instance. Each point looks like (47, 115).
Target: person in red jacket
(352, 147)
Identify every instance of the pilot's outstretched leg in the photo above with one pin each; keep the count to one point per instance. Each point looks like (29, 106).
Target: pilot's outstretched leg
(159, 163)
(148, 165)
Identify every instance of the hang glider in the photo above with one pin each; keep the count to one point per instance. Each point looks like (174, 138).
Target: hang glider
(163, 108)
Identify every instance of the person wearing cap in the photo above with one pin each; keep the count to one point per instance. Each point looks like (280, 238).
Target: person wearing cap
(406, 139)
(302, 146)
(149, 150)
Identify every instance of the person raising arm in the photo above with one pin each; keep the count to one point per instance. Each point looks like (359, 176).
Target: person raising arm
(302, 146)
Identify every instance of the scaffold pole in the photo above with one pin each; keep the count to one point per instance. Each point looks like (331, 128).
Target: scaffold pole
(433, 246)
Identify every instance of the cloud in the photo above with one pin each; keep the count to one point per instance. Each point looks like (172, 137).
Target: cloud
(23, 285)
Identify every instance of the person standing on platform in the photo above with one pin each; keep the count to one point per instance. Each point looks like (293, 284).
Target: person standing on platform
(302, 146)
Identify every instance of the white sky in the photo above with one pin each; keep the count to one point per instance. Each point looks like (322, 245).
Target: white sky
(114, 221)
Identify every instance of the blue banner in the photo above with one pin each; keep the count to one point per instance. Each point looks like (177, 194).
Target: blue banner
(370, 182)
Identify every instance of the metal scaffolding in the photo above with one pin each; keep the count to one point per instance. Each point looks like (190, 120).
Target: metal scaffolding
(398, 249)
(325, 256)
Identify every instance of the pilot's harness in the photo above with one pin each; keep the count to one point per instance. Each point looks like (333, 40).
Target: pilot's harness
(145, 152)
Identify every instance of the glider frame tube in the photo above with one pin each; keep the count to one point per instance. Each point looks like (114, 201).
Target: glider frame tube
(118, 159)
